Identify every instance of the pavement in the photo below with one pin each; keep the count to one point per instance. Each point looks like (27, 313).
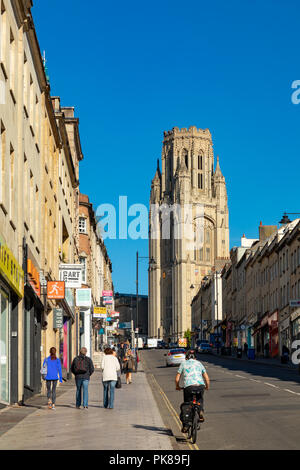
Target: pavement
(134, 423)
(251, 405)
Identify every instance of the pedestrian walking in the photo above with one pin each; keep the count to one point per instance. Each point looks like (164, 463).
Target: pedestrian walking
(121, 354)
(110, 367)
(82, 367)
(129, 365)
(53, 366)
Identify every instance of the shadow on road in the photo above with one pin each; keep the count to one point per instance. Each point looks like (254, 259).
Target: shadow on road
(255, 368)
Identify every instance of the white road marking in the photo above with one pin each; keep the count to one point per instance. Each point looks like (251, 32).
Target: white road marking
(271, 385)
(254, 380)
(241, 376)
(291, 391)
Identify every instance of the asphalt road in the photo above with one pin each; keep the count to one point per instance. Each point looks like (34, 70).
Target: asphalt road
(249, 406)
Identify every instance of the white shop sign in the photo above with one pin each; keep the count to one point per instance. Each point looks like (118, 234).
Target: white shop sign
(83, 297)
(71, 274)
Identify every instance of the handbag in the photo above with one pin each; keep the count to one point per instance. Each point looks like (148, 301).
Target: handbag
(119, 383)
(44, 370)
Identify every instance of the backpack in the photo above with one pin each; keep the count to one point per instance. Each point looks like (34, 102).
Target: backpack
(80, 366)
(186, 413)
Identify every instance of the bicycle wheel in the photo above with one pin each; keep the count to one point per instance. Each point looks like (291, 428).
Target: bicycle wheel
(194, 428)
(190, 431)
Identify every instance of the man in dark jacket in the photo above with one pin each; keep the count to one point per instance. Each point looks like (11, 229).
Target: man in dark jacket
(82, 367)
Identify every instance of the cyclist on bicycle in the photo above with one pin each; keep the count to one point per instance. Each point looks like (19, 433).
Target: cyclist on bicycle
(195, 380)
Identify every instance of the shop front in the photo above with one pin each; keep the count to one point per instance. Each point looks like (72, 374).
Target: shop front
(33, 311)
(65, 333)
(295, 325)
(285, 334)
(11, 291)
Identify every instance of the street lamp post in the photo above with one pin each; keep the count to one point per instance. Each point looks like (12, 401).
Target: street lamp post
(151, 263)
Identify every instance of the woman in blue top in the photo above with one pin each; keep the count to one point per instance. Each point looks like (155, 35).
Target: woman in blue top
(53, 372)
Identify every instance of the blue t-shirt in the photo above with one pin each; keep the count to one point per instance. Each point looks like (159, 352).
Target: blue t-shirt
(192, 371)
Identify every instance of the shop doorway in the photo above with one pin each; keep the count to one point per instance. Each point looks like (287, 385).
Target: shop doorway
(4, 346)
(32, 349)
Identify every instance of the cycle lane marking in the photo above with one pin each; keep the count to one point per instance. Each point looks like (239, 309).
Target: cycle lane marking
(172, 411)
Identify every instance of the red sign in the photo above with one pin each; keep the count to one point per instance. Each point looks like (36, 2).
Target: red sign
(56, 290)
(107, 293)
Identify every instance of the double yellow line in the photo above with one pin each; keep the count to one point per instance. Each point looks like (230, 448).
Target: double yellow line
(172, 410)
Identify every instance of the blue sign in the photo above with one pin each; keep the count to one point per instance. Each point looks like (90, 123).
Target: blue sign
(108, 319)
(124, 326)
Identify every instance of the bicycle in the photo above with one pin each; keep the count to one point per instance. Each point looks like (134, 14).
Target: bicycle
(194, 427)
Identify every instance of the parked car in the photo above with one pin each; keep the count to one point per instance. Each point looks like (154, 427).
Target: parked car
(204, 346)
(175, 357)
(161, 344)
(173, 345)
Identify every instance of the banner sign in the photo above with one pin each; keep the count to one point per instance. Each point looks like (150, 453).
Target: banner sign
(71, 274)
(115, 314)
(83, 297)
(58, 318)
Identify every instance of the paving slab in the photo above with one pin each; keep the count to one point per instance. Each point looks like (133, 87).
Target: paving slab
(134, 423)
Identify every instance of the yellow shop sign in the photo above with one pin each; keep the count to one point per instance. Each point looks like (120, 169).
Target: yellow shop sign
(10, 269)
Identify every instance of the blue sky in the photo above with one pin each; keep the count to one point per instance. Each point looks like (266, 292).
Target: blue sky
(134, 69)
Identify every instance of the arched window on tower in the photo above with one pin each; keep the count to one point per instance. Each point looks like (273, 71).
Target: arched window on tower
(200, 162)
(185, 157)
(200, 175)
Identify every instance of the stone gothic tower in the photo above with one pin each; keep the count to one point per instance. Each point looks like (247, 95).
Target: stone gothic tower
(188, 228)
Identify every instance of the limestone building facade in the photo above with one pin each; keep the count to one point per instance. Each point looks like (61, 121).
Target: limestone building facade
(188, 228)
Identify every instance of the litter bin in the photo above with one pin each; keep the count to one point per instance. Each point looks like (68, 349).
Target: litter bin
(251, 353)
(239, 353)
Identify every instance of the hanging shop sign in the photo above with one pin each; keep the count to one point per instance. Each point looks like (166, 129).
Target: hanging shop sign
(56, 290)
(58, 318)
(99, 312)
(71, 274)
(33, 277)
(125, 326)
(10, 269)
(115, 314)
(84, 298)
(107, 293)
(107, 300)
